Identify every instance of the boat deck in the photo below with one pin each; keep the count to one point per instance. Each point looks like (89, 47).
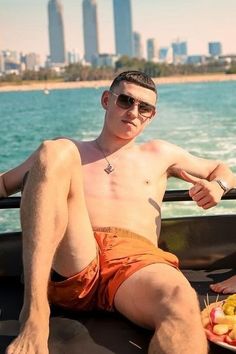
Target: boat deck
(100, 332)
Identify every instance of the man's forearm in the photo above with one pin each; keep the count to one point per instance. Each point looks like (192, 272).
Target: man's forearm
(3, 191)
(223, 172)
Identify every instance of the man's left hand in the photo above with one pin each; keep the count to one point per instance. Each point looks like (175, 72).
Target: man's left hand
(206, 194)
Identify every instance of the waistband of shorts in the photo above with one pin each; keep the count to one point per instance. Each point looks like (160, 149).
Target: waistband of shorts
(122, 233)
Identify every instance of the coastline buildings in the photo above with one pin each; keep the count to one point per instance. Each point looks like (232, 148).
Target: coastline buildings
(10, 62)
(196, 59)
(165, 55)
(106, 60)
(2, 64)
(180, 51)
(90, 27)
(123, 27)
(214, 49)
(56, 32)
(152, 49)
(73, 57)
(127, 42)
(138, 52)
(32, 61)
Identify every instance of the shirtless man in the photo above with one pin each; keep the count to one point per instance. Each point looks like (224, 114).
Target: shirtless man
(79, 200)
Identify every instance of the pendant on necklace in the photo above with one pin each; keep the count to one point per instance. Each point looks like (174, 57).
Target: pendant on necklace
(109, 169)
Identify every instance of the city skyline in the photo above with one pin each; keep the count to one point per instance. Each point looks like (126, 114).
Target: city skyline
(197, 23)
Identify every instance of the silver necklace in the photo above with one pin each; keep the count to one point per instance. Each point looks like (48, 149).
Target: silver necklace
(109, 169)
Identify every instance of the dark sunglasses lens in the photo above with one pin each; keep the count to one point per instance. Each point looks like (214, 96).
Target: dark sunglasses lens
(145, 109)
(125, 101)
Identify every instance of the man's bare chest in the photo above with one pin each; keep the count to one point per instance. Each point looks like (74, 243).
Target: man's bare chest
(130, 180)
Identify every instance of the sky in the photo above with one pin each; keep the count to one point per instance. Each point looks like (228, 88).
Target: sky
(24, 24)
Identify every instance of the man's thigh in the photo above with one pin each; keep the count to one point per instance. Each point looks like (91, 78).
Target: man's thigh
(78, 247)
(62, 159)
(141, 297)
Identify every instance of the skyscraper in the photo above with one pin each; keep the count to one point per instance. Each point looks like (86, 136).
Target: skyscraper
(32, 61)
(180, 51)
(56, 32)
(137, 45)
(90, 26)
(123, 27)
(215, 49)
(152, 52)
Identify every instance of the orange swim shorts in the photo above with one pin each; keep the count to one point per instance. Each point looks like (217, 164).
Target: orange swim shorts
(121, 253)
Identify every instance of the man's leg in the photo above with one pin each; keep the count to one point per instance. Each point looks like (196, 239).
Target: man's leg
(159, 297)
(53, 212)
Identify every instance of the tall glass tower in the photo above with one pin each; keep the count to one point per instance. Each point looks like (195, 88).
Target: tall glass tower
(137, 45)
(90, 26)
(56, 32)
(214, 49)
(152, 49)
(180, 51)
(123, 27)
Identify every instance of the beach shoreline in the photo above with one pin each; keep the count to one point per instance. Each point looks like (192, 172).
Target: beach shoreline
(41, 86)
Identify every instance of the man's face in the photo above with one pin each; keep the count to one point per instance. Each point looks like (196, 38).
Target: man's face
(127, 123)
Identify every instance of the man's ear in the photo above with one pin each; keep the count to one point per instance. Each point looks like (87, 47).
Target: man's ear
(104, 99)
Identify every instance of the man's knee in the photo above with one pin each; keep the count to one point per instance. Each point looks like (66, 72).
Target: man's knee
(177, 300)
(57, 157)
(184, 298)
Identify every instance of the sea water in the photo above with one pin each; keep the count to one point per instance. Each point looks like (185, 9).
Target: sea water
(200, 117)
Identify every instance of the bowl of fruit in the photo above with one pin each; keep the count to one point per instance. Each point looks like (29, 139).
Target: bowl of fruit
(219, 322)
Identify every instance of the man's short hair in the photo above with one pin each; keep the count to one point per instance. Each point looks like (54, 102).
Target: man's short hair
(137, 77)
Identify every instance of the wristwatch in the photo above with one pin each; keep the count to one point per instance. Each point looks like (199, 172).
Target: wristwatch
(223, 184)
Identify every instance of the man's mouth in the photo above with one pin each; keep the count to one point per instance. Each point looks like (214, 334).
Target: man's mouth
(128, 122)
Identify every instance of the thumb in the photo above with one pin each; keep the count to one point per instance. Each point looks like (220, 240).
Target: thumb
(188, 178)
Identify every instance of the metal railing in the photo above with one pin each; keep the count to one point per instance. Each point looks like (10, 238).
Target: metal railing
(170, 196)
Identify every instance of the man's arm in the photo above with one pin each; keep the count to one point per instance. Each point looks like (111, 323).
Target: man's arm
(223, 172)
(220, 173)
(12, 180)
(202, 173)
(207, 193)
(3, 192)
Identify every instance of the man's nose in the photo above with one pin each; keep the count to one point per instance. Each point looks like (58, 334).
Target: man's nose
(133, 110)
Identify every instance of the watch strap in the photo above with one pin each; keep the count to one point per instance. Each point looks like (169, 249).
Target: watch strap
(222, 184)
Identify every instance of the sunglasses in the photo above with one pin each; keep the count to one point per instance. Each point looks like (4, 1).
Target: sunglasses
(123, 101)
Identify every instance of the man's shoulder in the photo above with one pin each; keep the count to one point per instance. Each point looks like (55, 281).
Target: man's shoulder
(67, 138)
(158, 145)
